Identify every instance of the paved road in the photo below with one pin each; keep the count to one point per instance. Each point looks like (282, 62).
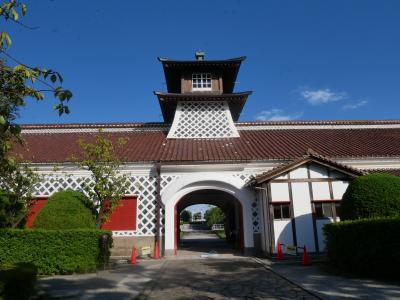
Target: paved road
(240, 278)
(196, 274)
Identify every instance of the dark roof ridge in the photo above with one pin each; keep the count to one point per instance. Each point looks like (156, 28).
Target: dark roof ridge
(94, 125)
(165, 59)
(319, 122)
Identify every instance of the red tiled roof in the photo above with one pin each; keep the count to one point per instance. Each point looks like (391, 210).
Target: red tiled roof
(261, 144)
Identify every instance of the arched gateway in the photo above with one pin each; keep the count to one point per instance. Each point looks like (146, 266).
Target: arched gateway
(207, 182)
(264, 173)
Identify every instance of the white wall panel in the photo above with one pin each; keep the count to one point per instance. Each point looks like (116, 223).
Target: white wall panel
(339, 187)
(321, 191)
(279, 191)
(283, 176)
(283, 233)
(299, 173)
(303, 215)
(320, 233)
(318, 171)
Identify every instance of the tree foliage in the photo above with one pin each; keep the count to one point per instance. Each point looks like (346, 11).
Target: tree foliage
(19, 81)
(17, 181)
(371, 196)
(214, 215)
(108, 185)
(186, 216)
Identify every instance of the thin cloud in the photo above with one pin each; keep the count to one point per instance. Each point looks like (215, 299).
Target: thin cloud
(354, 105)
(277, 114)
(322, 96)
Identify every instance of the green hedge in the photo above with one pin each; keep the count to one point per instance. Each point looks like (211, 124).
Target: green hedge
(366, 247)
(55, 251)
(17, 281)
(66, 210)
(372, 196)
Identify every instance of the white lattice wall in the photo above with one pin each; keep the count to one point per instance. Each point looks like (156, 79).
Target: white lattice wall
(255, 204)
(202, 119)
(143, 186)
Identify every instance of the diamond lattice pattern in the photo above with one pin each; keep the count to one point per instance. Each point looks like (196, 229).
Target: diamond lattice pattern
(143, 186)
(203, 119)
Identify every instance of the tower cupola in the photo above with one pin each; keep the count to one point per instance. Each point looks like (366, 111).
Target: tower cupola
(200, 101)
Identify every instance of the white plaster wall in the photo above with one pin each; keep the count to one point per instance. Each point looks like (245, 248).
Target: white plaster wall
(283, 233)
(299, 173)
(321, 191)
(318, 171)
(279, 191)
(303, 215)
(321, 238)
(339, 187)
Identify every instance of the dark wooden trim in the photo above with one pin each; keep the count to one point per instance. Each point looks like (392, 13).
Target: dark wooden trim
(332, 198)
(271, 220)
(326, 200)
(279, 202)
(315, 231)
(309, 180)
(293, 221)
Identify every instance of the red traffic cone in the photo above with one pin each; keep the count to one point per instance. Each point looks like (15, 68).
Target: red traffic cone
(280, 253)
(306, 259)
(156, 251)
(133, 256)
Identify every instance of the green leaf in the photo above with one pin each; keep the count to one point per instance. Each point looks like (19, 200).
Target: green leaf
(14, 14)
(53, 78)
(2, 120)
(23, 9)
(4, 37)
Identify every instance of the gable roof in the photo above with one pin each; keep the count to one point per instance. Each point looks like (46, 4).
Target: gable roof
(310, 156)
(258, 141)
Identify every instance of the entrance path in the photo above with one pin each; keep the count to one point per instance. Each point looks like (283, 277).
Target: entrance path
(203, 243)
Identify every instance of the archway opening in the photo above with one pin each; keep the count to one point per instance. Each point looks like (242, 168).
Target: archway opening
(219, 230)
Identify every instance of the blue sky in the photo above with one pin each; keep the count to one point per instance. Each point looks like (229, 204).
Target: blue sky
(305, 59)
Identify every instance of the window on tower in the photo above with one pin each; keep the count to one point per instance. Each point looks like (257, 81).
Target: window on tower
(201, 82)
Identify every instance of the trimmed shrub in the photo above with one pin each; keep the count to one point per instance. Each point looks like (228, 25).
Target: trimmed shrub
(366, 247)
(4, 203)
(17, 281)
(371, 196)
(56, 251)
(66, 210)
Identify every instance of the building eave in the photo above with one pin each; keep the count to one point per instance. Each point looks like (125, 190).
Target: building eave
(168, 102)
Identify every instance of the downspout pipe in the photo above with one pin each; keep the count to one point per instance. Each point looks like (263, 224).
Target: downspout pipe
(158, 204)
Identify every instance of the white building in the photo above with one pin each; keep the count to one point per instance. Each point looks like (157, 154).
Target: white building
(275, 180)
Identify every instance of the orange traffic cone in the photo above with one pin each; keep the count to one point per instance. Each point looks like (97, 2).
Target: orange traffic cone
(156, 251)
(306, 259)
(133, 256)
(280, 254)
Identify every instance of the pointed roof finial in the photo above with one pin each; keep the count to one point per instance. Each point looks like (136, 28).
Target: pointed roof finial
(200, 55)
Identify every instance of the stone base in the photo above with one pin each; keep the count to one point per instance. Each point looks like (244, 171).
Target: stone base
(122, 245)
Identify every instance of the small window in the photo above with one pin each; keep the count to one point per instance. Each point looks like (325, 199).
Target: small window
(338, 210)
(324, 209)
(201, 82)
(281, 211)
